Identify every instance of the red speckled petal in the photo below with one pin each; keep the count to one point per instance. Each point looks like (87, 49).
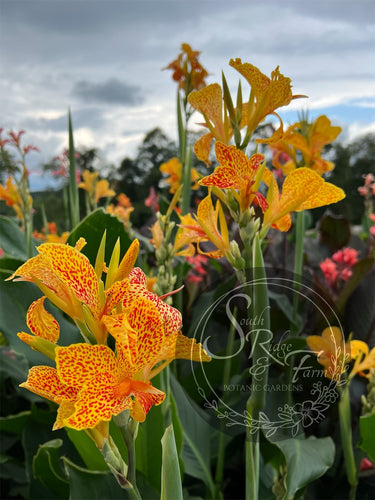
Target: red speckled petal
(65, 410)
(144, 401)
(202, 148)
(45, 381)
(75, 270)
(115, 294)
(126, 368)
(171, 317)
(39, 267)
(209, 101)
(233, 158)
(42, 323)
(97, 402)
(262, 202)
(138, 276)
(78, 364)
(145, 320)
(177, 346)
(223, 177)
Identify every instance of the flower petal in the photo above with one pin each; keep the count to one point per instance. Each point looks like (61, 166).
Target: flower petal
(42, 323)
(45, 381)
(144, 401)
(74, 269)
(79, 364)
(127, 261)
(96, 403)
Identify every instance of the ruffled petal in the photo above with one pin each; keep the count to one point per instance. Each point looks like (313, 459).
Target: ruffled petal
(42, 323)
(45, 381)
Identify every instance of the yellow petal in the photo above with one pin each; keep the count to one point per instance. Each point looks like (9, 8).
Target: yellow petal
(42, 323)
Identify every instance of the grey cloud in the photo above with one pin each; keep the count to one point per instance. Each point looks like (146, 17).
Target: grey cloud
(112, 91)
(83, 117)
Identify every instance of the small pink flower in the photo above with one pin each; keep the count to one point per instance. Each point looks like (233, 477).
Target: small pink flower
(366, 464)
(348, 256)
(346, 273)
(329, 270)
(369, 178)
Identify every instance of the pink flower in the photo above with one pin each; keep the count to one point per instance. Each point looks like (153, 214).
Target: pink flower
(348, 256)
(366, 464)
(152, 200)
(330, 272)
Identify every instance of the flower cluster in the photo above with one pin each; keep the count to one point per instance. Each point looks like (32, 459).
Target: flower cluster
(338, 269)
(91, 382)
(50, 234)
(187, 70)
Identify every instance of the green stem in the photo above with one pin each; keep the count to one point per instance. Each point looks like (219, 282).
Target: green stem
(347, 439)
(298, 263)
(129, 432)
(260, 350)
(73, 188)
(226, 376)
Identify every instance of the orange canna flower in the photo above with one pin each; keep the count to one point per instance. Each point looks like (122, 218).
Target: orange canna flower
(237, 172)
(12, 197)
(303, 189)
(331, 350)
(187, 70)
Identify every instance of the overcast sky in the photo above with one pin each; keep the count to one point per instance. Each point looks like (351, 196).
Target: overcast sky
(104, 60)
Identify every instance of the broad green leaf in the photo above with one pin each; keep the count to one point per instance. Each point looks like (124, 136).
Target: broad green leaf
(170, 476)
(91, 485)
(87, 450)
(92, 229)
(306, 460)
(47, 470)
(367, 444)
(196, 447)
(12, 239)
(285, 306)
(14, 424)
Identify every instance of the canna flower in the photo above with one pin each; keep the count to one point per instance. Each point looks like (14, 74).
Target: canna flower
(364, 359)
(331, 351)
(237, 172)
(269, 93)
(339, 268)
(12, 197)
(96, 188)
(122, 210)
(187, 70)
(209, 102)
(173, 168)
(303, 189)
(307, 139)
(209, 225)
(67, 278)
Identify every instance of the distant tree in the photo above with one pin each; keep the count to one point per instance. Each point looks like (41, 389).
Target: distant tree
(136, 176)
(352, 162)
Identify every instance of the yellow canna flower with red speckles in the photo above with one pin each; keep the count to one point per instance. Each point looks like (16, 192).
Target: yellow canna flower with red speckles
(209, 102)
(308, 140)
(109, 383)
(331, 351)
(209, 225)
(302, 189)
(67, 278)
(237, 172)
(267, 94)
